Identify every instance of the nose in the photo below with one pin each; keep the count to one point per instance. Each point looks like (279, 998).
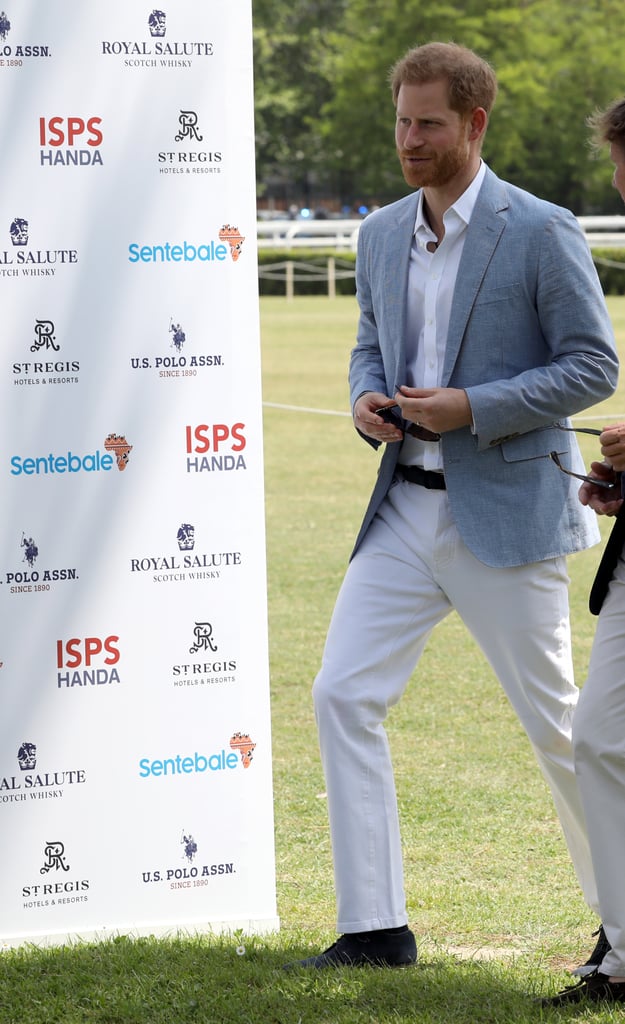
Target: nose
(413, 137)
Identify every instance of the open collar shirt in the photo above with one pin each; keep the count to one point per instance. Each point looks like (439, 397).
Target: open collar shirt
(431, 283)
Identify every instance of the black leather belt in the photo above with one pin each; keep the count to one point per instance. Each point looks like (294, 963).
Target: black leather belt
(423, 477)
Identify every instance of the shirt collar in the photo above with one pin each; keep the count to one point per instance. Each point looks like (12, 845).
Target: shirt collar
(462, 208)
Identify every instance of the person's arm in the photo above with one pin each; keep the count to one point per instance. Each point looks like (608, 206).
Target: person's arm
(580, 366)
(612, 440)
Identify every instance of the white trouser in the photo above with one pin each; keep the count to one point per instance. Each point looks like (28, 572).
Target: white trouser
(409, 572)
(599, 749)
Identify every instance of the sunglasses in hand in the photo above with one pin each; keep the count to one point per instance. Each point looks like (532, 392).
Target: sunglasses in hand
(608, 485)
(392, 414)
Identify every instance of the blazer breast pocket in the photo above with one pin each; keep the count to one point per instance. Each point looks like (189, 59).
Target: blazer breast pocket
(505, 293)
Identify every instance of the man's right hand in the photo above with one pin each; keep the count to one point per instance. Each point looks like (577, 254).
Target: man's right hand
(367, 422)
(602, 501)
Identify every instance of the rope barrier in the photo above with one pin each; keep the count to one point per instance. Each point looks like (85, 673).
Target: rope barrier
(609, 263)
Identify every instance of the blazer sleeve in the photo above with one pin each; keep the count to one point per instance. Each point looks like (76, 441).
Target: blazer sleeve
(566, 310)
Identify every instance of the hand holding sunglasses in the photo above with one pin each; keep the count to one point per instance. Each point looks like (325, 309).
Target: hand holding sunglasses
(392, 414)
(607, 485)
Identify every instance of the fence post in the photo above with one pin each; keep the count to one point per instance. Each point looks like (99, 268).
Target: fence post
(331, 277)
(289, 280)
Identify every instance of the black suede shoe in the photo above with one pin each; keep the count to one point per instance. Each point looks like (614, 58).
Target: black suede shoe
(595, 988)
(369, 949)
(595, 959)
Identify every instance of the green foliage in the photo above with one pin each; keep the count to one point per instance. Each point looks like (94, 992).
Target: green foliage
(293, 44)
(310, 269)
(556, 62)
(610, 264)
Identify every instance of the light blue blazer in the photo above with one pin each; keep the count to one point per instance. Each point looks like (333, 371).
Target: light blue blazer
(531, 342)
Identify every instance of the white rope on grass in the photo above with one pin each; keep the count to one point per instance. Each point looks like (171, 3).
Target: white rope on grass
(604, 417)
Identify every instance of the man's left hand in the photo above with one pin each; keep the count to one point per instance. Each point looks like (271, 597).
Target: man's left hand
(438, 409)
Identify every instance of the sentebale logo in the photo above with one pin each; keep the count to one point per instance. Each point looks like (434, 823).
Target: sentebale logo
(117, 452)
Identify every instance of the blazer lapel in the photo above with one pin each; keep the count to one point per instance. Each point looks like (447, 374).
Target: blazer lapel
(395, 247)
(483, 234)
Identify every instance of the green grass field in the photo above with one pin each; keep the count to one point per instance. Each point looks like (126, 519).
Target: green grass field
(491, 894)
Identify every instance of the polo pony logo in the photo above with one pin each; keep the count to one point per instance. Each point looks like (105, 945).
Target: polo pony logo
(31, 550)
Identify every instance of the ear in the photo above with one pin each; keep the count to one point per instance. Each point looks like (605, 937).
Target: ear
(478, 123)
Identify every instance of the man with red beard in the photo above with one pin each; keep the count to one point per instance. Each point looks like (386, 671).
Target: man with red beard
(482, 328)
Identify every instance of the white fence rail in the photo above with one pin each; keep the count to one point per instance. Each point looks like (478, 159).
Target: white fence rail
(342, 235)
(291, 271)
(601, 232)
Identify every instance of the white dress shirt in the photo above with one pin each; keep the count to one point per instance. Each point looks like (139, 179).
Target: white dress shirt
(431, 283)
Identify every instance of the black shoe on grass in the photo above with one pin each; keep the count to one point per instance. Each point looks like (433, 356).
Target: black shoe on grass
(366, 949)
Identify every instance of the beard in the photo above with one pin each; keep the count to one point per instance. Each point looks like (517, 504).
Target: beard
(439, 170)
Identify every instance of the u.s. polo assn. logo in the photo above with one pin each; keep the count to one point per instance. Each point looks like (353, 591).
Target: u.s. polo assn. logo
(12, 55)
(190, 874)
(27, 577)
(177, 355)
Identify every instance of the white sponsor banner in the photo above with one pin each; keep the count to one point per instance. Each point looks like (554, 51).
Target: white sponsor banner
(135, 753)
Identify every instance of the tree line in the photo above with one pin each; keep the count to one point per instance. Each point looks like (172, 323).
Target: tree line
(324, 114)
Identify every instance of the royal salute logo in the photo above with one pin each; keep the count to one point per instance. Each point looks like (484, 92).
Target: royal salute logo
(12, 54)
(186, 537)
(70, 141)
(189, 158)
(156, 51)
(27, 757)
(116, 453)
(29, 578)
(88, 662)
(23, 260)
(46, 369)
(19, 231)
(182, 361)
(215, 447)
(157, 23)
(208, 666)
(59, 885)
(189, 875)
(186, 563)
(27, 784)
(240, 755)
